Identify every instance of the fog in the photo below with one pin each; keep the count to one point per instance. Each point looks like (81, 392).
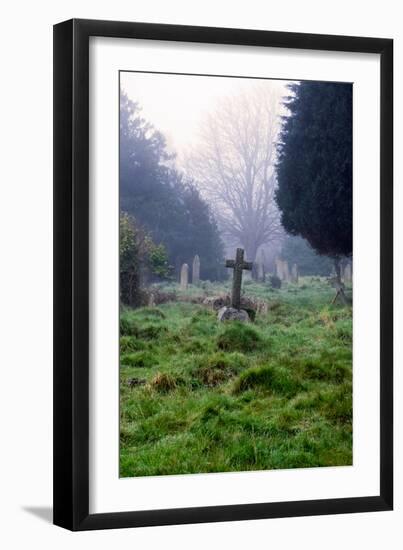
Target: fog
(178, 104)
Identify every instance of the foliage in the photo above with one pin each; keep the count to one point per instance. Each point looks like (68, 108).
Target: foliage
(140, 260)
(298, 250)
(314, 167)
(167, 205)
(285, 403)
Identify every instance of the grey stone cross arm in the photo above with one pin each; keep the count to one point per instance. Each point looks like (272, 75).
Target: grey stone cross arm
(238, 265)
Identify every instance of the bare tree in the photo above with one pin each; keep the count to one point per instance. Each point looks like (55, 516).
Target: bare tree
(234, 167)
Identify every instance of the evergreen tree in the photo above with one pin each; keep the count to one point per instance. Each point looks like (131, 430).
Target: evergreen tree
(157, 195)
(203, 236)
(298, 250)
(314, 167)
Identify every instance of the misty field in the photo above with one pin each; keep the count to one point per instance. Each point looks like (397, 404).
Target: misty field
(197, 395)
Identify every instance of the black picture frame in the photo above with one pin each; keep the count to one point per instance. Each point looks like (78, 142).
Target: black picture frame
(71, 274)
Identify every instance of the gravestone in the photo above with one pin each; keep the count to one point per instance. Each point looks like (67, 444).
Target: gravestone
(286, 272)
(279, 269)
(260, 272)
(347, 273)
(184, 276)
(294, 274)
(196, 270)
(238, 265)
(235, 313)
(261, 269)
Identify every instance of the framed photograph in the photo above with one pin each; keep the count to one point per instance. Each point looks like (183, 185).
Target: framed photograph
(223, 274)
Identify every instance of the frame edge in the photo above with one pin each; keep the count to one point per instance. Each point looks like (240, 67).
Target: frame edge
(71, 288)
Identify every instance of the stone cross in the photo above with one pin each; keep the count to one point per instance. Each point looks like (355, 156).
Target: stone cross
(184, 276)
(238, 265)
(196, 270)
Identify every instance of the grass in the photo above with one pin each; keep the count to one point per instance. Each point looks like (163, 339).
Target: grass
(200, 396)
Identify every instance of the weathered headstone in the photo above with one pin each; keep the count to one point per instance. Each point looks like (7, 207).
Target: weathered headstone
(260, 272)
(286, 272)
(260, 266)
(184, 276)
(196, 270)
(294, 274)
(238, 265)
(347, 273)
(279, 269)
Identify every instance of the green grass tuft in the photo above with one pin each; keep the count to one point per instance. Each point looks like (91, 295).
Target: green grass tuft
(240, 337)
(275, 379)
(163, 382)
(139, 359)
(129, 344)
(219, 367)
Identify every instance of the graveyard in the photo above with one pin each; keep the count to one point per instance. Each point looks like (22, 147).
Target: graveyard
(236, 268)
(199, 395)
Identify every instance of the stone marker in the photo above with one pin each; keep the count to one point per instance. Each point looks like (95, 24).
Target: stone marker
(235, 313)
(286, 271)
(347, 273)
(232, 314)
(294, 274)
(260, 272)
(260, 265)
(238, 265)
(196, 270)
(184, 276)
(279, 269)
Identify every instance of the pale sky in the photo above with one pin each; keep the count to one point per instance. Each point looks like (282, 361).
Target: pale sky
(176, 104)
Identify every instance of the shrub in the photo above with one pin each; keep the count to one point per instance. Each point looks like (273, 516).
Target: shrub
(276, 379)
(139, 258)
(237, 336)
